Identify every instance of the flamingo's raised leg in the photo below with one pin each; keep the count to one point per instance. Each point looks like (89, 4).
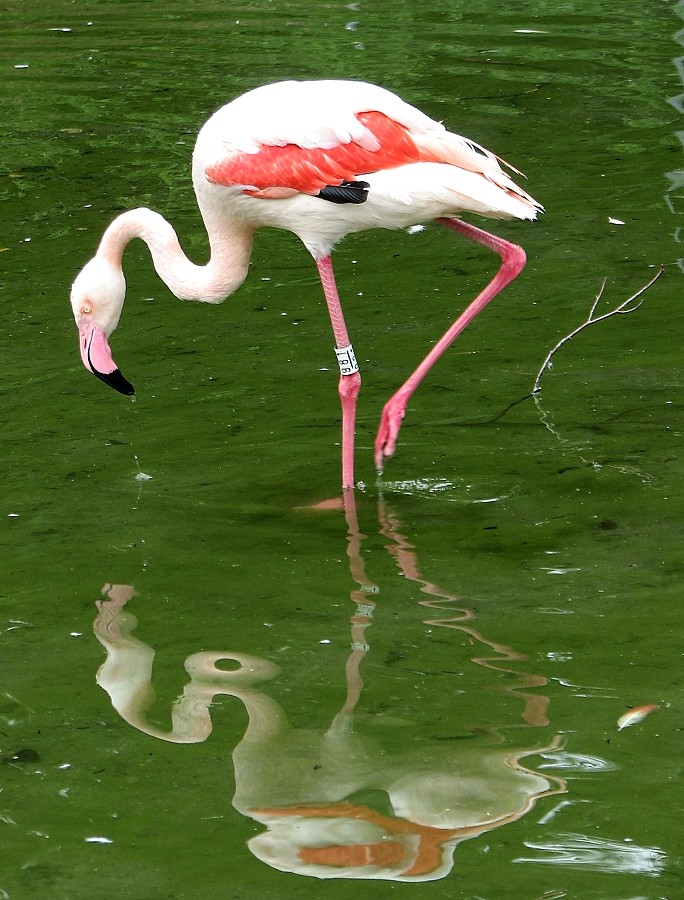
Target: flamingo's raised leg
(350, 378)
(512, 263)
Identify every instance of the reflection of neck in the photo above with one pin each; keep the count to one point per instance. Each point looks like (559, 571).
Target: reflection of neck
(126, 675)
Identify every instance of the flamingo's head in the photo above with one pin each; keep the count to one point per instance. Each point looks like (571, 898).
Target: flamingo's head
(97, 297)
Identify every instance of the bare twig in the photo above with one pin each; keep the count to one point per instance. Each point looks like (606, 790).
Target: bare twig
(627, 306)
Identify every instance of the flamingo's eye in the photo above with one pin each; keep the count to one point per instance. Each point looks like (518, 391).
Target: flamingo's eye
(86, 309)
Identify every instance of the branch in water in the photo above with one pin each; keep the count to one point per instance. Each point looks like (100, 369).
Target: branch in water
(627, 306)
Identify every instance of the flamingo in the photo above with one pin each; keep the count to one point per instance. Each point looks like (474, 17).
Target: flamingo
(321, 159)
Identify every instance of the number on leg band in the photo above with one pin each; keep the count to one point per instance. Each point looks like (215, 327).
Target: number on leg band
(347, 360)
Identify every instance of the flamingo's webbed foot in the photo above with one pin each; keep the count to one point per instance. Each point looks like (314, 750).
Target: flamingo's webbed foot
(388, 432)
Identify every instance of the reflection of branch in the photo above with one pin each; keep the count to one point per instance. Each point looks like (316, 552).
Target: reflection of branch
(626, 306)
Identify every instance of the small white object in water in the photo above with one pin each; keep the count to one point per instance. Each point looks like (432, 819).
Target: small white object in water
(635, 715)
(141, 476)
(613, 221)
(98, 839)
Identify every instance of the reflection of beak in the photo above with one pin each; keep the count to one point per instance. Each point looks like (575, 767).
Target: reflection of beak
(97, 357)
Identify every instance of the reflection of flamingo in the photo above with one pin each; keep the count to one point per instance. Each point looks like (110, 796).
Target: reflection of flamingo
(310, 787)
(297, 781)
(320, 159)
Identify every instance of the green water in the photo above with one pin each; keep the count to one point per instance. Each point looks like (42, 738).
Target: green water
(522, 563)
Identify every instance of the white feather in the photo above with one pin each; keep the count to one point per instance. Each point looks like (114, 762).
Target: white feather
(310, 114)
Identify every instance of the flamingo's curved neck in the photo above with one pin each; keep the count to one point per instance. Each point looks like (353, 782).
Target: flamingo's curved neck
(221, 276)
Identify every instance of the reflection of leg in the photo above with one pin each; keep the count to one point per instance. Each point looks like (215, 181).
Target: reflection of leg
(536, 705)
(360, 622)
(406, 558)
(363, 617)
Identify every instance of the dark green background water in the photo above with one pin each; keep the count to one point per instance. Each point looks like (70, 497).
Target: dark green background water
(565, 542)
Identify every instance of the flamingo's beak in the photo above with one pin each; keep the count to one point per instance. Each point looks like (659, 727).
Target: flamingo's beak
(97, 357)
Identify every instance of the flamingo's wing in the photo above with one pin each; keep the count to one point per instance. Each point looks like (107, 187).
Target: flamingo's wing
(386, 144)
(293, 137)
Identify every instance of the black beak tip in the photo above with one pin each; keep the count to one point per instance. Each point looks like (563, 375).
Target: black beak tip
(117, 381)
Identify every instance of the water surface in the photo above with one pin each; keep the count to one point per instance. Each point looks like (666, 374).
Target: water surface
(455, 651)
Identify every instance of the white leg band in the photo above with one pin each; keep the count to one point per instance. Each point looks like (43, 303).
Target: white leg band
(347, 360)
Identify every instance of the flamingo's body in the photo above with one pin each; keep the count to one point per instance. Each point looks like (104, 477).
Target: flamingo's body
(321, 159)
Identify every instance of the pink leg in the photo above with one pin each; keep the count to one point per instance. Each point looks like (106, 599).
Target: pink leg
(512, 263)
(350, 379)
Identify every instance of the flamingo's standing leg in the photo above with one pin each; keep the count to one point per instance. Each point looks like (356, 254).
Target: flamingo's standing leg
(512, 263)
(350, 378)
